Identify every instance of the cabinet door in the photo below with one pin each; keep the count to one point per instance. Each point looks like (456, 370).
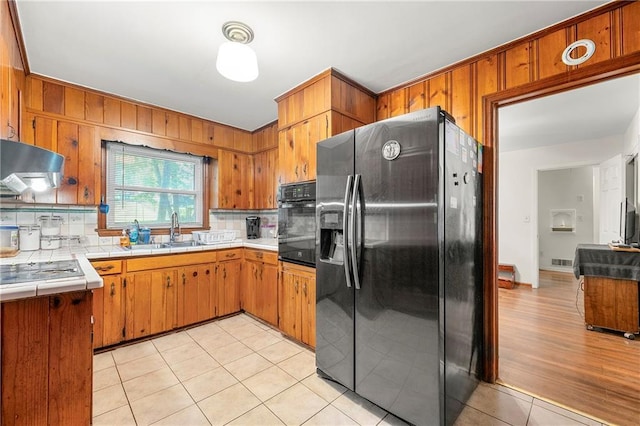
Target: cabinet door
(163, 300)
(138, 305)
(235, 180)
(249, 287)
(268, 293)
(288, 303)
(308, 305)
(196, 294)
(70, 359)
(265, 187)
(207, 296)
(113, 308)
(228, 278)
(188, 295)
(98, 317)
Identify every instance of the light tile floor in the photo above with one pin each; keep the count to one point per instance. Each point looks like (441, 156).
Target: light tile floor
(238, 371)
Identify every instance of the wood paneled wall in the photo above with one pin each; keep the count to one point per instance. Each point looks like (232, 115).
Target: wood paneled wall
(265, 137)
(12, 76)
(460, 88)
(61, 100)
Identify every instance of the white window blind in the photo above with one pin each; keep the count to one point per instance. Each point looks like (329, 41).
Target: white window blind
(149, 185)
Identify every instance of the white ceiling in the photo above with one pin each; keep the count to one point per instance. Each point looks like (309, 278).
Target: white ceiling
(591, 112)
(164, 52)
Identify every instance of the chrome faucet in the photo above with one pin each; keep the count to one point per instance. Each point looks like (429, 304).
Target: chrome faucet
(174, 224)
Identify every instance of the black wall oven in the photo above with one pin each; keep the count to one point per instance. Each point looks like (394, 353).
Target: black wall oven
(297, 223)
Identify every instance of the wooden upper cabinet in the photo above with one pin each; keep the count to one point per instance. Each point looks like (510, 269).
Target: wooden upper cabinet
(297, 149)
(265, 165)
(235, 180)
(306, 116)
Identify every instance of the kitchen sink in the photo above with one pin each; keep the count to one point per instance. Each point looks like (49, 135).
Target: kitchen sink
(145, 246)
(181, 244)
(161, 245)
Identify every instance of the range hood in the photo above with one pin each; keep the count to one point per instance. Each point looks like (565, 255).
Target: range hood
(24, 166)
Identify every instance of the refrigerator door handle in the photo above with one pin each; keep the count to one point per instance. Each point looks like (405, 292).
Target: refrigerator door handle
(345, 230)
(354, 231)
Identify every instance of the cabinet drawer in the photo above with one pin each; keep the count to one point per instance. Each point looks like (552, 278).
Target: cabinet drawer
(107, 267)
(270, 257)
(229, 254)
(170, 261)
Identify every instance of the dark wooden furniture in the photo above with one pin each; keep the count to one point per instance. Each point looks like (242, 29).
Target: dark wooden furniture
(506, 276)
(611, 291)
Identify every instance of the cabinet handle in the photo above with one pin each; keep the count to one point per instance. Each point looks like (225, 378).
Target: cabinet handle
(113, 289)
(259, 255)
(304, 169)
(184, 278)
(105, 268)
(207, 272)
(195, 274)
(304, 289)
(296, 287)
(296, 172)
(255, 272)
(230, 255)
(261, 270)
(224, 274)
(168, 281)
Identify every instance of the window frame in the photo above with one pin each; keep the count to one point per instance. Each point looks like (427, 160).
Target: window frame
(108, 228)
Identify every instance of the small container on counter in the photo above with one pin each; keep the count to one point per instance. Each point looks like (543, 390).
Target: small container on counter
(50, 225)
(50, 242)
(29, 237)
(9, 241)
(145, 236)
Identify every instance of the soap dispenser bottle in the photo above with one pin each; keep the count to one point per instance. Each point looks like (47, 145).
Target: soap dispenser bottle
(124, 239)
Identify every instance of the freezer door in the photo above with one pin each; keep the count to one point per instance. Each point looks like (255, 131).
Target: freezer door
(334, 289)
(397, 305)
(462, 269)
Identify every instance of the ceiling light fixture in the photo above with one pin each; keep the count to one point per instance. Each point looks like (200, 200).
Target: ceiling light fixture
(236, 60)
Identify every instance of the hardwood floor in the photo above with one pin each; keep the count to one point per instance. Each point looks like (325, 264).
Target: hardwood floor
(545, 350)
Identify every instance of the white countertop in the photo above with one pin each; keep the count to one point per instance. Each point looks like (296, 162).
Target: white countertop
(91, 278)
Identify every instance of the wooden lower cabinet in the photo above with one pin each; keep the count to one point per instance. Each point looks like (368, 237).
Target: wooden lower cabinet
(143, 296)
(297, 302)
(47, 360)
(197, 294)
(260, 285)
(108, 305)
(611, 303)
(228, 277)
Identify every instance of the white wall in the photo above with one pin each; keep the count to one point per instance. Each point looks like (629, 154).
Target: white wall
(570, 189)
(517, 195)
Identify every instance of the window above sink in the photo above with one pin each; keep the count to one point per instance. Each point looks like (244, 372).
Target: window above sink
(149, 184)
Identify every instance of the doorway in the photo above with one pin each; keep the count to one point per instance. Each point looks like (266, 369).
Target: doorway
(544, 347)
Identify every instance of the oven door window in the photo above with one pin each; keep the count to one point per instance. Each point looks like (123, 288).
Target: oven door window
(297, 229)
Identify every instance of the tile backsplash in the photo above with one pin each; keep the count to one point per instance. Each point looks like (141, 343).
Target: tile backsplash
(82, 221)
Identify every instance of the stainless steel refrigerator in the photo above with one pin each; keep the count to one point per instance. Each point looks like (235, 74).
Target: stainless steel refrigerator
(399, 264)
